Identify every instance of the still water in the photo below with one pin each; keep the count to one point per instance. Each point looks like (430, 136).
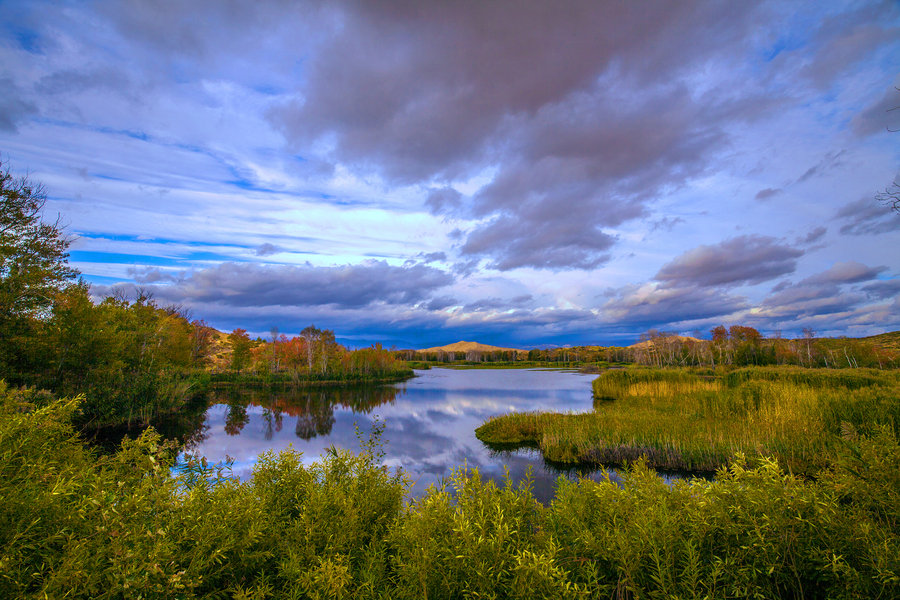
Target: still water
(429, 422)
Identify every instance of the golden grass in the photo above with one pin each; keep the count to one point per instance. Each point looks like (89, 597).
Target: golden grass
(684, 421)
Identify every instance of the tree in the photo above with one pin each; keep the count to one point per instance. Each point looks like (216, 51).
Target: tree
(33, 257)
(890, 196)
(311, 335)
(240, 348)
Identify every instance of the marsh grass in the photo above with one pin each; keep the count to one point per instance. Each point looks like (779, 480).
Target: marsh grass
(692, 421)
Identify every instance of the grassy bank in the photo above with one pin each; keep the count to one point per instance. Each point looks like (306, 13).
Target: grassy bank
(522, 364)
(231, 378)
(695, 420)
(77, 525)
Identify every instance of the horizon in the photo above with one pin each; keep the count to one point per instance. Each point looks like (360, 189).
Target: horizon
(513, 174)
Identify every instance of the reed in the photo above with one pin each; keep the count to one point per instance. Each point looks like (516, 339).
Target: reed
(685, 420)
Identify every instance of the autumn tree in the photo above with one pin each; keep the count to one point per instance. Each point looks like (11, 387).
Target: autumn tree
(202, 339)
(240, 348)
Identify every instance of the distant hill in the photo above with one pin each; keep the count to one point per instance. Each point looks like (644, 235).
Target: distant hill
(467, 347)
(220, 356)
(889, 341)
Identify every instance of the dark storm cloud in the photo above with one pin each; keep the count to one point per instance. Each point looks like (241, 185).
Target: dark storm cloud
(748, 259)
(867, 216)
(515, 242)
(648, 305)
(581, 137)
(350, 286)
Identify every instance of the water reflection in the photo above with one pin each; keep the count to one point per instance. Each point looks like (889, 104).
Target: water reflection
(313, 407)
(430, 422)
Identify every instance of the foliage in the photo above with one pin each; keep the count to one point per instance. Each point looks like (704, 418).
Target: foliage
(77, 525)
(312, 357)
(130, 360)
(739, 346)
(33, 264)
(240, 349)
(692, 420)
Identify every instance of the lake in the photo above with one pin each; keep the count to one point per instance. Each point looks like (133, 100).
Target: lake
(429, 421)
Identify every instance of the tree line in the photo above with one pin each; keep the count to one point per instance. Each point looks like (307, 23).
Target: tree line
(740, 345)
(314, 355)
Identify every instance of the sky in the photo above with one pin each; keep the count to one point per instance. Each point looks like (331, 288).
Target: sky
(522, 174)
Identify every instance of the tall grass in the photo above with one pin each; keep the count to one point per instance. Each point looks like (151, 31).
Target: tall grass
(685, 420)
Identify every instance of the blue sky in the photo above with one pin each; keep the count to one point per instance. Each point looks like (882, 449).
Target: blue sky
(523, 174)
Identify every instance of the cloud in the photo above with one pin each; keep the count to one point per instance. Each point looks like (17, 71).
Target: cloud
(267, 249)
(867, 216)
(881, 116)
(650, 305)
(666, 223)
(70, 81)
(254, 285)
(14, 107)
(501, 304)
(884, 289)
(515, 242)
(444, 200)
(434, 93)
(846, 272)
(807, 300)
(848, 37)
(748, 259)
(767, 193)
(830, 162)
(430, 257)
(822, 294)
(813, 236)
(360, 130)
(441, 302)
